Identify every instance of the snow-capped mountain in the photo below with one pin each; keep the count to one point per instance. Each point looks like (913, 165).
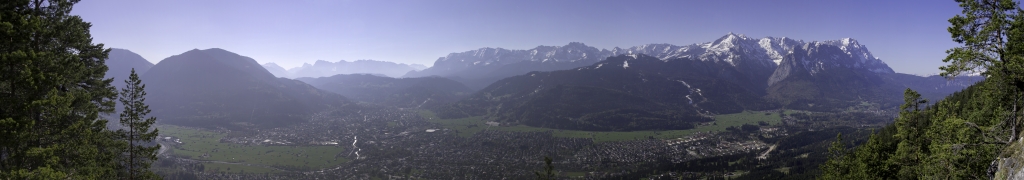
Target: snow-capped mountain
(765, 52)
(859, 53)
(732, 49)
(756, 58)
(322, 68)
(778, 47)
(275, 69)
(478, 68)
(822, 73)
(825, 56)
(572, 52)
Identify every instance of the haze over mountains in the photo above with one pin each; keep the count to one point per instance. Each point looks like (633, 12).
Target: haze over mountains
(654, 86)
(423, 92)
(217, 88)
(322, 68)
(120, 63)
(479, 68)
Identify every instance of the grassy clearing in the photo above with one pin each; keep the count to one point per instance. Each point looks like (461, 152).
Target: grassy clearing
(737, 173)
(197, 143)
(783, 169)
(575, 174)
(235, 168)
(738, 119)
(466, 127)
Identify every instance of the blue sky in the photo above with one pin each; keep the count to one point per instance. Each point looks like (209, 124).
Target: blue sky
(909, 35)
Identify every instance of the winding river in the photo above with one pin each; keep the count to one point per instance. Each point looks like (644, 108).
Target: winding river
(356, 139)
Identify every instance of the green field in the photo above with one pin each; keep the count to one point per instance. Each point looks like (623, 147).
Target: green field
(575, 174)
(466, 127)
(196, 143)
(235, 168)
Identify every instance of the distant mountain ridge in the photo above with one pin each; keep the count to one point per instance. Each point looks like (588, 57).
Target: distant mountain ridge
(424, 92)
(277, 70)
(621, 93)
(729, 75)
(479, 68)
(322, 68)
(759, 57)
(758, 51)
(218, 88)
(120, 63)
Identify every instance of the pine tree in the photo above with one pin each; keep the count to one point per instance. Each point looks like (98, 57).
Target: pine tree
(52, 92)
(549, 170)
(992, 35)
(837, 166)
(910, 127)
(958, 137)
(138, 129)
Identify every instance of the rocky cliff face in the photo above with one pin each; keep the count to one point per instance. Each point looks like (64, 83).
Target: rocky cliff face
(1010, 167)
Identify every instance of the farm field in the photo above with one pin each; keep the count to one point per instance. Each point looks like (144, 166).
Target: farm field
(466, 127)
(206, 146)
(235, 168)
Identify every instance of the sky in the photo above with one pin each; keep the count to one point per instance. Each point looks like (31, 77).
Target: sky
(909, 35)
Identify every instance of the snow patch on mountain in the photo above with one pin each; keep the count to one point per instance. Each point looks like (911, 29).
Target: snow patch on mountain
(767, 52)
(736, 50)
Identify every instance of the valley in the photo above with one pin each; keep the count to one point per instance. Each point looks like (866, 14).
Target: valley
(630, 116)
(689, 116)
(415, 144)
(372, 90)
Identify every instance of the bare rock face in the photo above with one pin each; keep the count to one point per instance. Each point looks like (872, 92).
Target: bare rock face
(1011, 167)
(755, 58)
(790, 65)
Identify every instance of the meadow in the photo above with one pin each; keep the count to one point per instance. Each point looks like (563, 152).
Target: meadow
(466, 127)
(206, 146)
(235, 168)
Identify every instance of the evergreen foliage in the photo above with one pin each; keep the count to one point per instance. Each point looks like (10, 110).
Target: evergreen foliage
(549, 170)
(138, 129)
(958, 137)
(52, 92)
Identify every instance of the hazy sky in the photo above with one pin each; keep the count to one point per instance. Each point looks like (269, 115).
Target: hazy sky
(909, 35)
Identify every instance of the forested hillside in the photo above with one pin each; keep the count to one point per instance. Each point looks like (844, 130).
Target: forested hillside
(968, 135)
(53, 91)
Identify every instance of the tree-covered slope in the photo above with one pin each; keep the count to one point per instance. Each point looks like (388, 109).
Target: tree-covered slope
(972, 134)
(944, 140)
(627, 92)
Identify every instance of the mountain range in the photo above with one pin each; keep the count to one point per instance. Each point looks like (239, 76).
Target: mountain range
(758, 57)
(481, 67)
(621, 93)
(679, 85)
(120, 63)
(218, 88)
(322, 68)
(655, 86)
(423, 92)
